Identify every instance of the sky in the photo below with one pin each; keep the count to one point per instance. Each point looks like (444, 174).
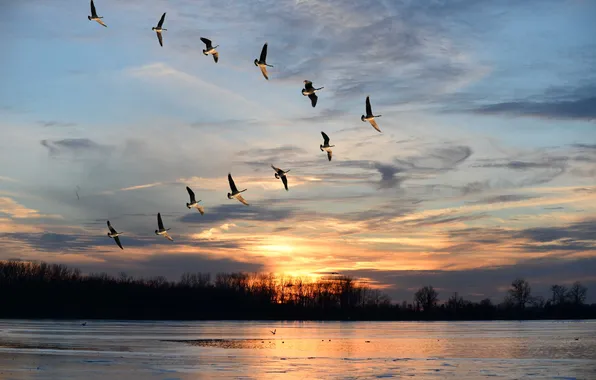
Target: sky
(484, 171)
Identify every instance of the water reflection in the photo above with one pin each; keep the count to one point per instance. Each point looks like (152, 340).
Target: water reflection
(299, 350)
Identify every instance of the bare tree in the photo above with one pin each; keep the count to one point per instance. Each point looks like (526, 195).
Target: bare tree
(577, 293)
(520, 293)
(559, 294)
(427, 297)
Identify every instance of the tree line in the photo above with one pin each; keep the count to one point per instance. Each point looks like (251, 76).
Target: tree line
(41, 290)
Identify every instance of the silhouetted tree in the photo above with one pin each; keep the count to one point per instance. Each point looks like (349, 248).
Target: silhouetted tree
(577, 293)
(41, 290)
(559, 294)
(520, 293)
(427, 297)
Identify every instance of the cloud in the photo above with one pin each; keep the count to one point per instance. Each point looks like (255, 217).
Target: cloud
(8, 179)
(388, 179)
(557, 103)
(233, 213)
(10, 207)
(59, 124)
(503, 198)
(138, 187)
(73, 146)
(544, 168)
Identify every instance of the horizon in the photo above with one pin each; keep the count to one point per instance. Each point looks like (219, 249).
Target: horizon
(483, 173)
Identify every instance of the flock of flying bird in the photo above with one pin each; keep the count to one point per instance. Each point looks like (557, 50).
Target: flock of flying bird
(308, 90)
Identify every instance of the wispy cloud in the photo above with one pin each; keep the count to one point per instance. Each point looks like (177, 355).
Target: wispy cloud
(10, 207)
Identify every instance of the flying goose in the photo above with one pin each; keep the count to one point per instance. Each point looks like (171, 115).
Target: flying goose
(309, 91)
(193, 202)
(273, 331)
(235, 193)
(326, 147)
(281, 174)
(158, 29)
(161, 230)
(262, 61)
(114, 235)
(94, 16)
(210, 49)
(369, 115)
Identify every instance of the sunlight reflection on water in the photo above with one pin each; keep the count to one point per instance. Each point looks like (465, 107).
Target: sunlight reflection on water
(299, 350)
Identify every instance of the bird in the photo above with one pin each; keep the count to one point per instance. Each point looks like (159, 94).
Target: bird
(193, 202)
(326, 147)
(94, 16)
(114, 235)
(77, 193)
(281, 174)
(309, 91)
(369, 115)
(235, 193)
(158, 29)
(84, 324)
(161, 230)
(210, 49)
(262, 61)
(273, 331)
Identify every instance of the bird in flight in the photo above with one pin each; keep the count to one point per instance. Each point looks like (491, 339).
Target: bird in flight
(94, 16)
(235, 193)
(210, 49)
(158, 29)
(273, 331)
(262, 61)
(326, 147)
(114, 235)
(369, 115)
(193, 202)
(281, 174)
(309, 91)
(161, 230)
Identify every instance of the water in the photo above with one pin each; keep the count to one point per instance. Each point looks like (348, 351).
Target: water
(299, 350)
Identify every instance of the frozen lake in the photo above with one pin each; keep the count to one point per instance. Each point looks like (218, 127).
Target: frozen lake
(299, 350)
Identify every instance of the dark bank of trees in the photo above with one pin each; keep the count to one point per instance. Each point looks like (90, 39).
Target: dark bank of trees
(40, 290)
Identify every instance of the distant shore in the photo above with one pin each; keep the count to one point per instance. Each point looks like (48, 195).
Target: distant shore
(49, 291)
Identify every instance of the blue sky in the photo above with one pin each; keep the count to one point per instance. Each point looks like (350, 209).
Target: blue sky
(484, 171)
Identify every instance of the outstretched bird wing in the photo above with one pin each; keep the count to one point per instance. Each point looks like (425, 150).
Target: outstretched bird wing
(374, 124)
(159, 38)
(329, 154)
(191, 193)
(117, 240)
(159, 222)
(112, 230)
(93, 11)
(160, 23)
(264, 72)
(263, 57)
(242, 200)
(232, 184)
(201, 209)
(368, 107)
(274, 168)
(168, 237)
(216, 56)
(284, 179)
(207, 42)
(101, 22)
(325, 137)
(313, 99)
